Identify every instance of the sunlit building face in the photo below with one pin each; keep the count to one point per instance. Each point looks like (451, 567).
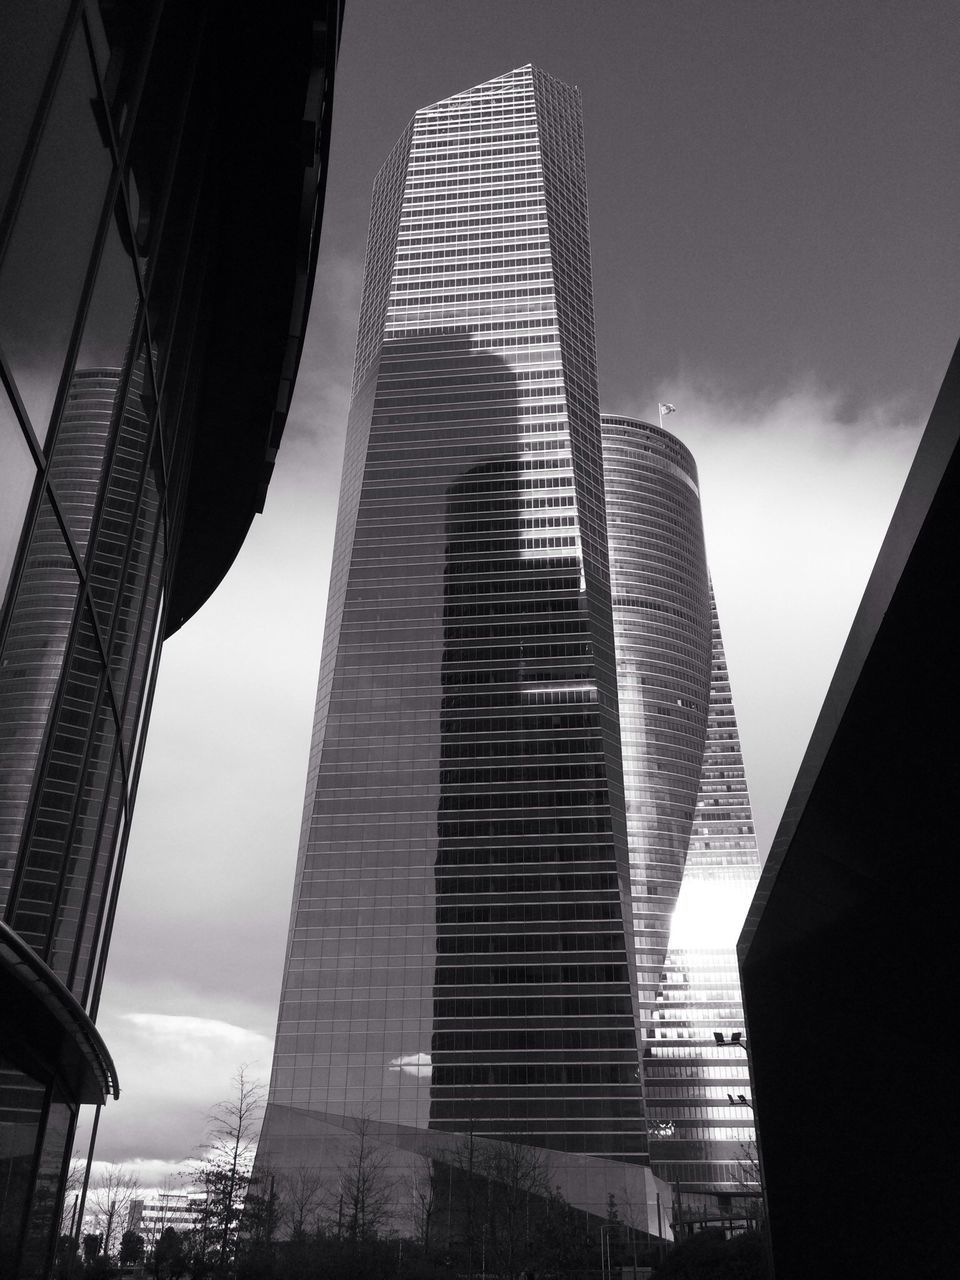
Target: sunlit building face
(458, 958)
(693, 853)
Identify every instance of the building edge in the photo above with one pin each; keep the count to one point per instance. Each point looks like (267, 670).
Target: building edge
(848, 944)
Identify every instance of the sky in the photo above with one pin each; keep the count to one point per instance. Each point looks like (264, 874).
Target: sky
(774, 199)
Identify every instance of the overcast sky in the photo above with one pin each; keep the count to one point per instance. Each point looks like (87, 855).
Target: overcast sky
(774, 208)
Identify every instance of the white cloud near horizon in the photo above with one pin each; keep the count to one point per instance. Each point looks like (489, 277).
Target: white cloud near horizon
(173, 1069)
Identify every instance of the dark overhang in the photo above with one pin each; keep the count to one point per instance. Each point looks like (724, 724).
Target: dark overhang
(875, 719)
(848, 956)
(58, 1038)
(274, 105)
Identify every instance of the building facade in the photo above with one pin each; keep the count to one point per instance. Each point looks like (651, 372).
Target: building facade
(460, 957)
(864, 860)
(145, 369)
(693, 853)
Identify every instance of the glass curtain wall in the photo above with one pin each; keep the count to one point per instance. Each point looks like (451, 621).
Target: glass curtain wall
(693, 852)
(457, 961)
(90, 392)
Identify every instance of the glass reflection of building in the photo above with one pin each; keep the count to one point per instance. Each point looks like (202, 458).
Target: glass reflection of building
(458, 953)
(128, 130)
(693, 853)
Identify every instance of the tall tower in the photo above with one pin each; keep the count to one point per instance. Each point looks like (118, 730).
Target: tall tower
(693, 852)
(459, 951)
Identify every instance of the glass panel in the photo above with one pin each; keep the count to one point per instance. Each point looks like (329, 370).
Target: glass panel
(21, 1114)
(82, 441)
(45, 866)
(30, 35)
(103, 855)
(43, 272)
(135, 623)
(119, 30)
(17, 474)
(156, 130)
(122, 498)
(140, 689)
(45, 1211)
(89, 847)
(32, 658)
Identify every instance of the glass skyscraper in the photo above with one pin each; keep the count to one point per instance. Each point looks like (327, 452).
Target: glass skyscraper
(481, 938)
(460, 957)
(693, 853)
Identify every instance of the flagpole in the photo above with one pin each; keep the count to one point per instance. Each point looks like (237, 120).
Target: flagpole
(660, 413)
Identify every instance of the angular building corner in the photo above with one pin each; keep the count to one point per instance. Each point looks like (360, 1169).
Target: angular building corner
(459, 967)
(848, 955)
(161, 184)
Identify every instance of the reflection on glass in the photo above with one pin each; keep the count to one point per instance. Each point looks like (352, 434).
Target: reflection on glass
(45, 1207)
(43, 271)
(108, 328)
(17, 474)
(21, 1106)
(458, 960)
(30, 666)
(83, 438)
(81, 447)
(31, 32)
(128, 470)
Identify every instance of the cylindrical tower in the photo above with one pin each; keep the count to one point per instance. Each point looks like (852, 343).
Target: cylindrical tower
(688, 814)
(661, 611)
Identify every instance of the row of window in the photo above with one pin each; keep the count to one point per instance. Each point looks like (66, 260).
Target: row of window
(540, 975)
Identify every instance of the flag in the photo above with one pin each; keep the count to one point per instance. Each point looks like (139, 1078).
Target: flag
(668, 408)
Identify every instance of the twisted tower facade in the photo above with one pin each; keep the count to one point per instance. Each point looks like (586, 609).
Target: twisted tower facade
(693, 852)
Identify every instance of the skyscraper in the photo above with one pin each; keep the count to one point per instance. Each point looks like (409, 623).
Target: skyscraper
(460, 957)
(162, 169)
(693, 852)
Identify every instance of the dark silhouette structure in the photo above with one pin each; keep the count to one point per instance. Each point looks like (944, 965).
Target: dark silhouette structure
(162, 168)
(848, 956)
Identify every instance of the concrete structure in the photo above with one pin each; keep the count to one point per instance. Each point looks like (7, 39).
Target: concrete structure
(161, 181)
(848, 956)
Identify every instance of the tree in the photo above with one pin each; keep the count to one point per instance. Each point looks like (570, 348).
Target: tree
(299, 1194)
(232, 1130)
(169, 1257)
(517, 1190)
(111, 1194)
(132, 1247)
(708, 1255)
(72, 1190)
(425, 1181)
(366, 1188)
(66, 1260)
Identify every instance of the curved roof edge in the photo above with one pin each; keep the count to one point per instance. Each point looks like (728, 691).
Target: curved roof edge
(272, 151)
(63, 1040)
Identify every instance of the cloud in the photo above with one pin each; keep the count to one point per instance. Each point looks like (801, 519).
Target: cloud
(413, 1064)
(173, 1069)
